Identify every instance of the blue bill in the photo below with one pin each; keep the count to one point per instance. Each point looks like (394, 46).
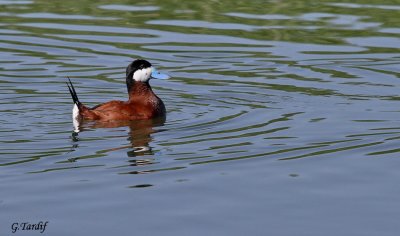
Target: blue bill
(157, 75)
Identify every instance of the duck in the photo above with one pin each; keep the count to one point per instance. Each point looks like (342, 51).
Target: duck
(142, 103)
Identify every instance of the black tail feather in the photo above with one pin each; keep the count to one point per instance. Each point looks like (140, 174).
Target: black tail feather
(73, 92)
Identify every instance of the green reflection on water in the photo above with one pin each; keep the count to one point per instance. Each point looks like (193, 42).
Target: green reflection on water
(285, 21)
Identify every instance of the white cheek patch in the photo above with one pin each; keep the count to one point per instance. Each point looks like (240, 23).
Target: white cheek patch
(142, 75)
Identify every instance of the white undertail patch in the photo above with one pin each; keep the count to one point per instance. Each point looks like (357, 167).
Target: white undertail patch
(142, 75)
(75, 118)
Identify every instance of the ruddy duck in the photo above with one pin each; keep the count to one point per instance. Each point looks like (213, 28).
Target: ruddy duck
(142, 104)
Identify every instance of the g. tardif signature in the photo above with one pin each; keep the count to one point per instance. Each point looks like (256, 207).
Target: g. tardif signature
(41, 226)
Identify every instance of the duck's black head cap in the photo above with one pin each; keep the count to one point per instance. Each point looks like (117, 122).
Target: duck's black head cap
(142, 69)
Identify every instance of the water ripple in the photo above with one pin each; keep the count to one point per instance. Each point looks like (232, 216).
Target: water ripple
(232, 96)
(290, 108)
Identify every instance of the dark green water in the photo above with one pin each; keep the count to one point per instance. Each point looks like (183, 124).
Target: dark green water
(283, 118)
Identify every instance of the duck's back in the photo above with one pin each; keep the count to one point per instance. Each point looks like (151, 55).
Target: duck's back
(130, 110)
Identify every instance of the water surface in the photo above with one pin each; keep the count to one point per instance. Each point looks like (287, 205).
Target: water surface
(283, 118)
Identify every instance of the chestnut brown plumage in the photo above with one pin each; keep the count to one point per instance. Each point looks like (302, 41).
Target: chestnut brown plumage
(142, 103)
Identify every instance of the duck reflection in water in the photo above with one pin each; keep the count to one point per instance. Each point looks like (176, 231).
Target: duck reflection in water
(139, 135)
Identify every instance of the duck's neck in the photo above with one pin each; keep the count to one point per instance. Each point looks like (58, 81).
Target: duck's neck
(138, 90)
